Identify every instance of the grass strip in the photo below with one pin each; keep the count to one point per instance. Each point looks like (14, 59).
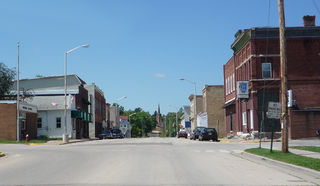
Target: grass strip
(21, 142)
(307, 148)
(312, 163)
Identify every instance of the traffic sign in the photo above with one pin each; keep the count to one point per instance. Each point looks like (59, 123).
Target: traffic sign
(274, 110)
(22, 117)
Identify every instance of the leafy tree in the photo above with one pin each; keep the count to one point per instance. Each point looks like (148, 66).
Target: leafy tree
(134, 131)
(6, 79)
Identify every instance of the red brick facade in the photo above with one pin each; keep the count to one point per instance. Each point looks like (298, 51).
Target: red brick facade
(8, 123)
(303, 47)
(82, 127)
(100, 112)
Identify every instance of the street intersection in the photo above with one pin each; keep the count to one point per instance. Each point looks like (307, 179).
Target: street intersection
(143, 161)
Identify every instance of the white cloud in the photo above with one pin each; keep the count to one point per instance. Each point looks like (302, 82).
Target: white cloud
(159, 75)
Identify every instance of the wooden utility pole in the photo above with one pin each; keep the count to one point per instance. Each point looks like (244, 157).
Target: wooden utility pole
(284, 86)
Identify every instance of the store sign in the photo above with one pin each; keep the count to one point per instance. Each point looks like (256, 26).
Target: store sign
(188, 124)
(28, 108)
(242, 89)
(274, 110)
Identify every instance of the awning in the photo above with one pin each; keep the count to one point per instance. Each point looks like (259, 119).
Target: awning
(82, 115)
(229, 103)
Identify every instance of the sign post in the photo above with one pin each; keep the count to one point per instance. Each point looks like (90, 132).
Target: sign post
(274, 112)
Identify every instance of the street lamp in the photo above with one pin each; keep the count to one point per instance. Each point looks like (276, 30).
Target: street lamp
(131, 115)
(65, 134)
(194, 98)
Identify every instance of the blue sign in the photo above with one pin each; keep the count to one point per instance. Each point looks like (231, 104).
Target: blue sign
(188, 124)
(242, 89)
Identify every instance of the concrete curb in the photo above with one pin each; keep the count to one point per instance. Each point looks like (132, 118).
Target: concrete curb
(2, 154)
(70, 142)
(36, 144)
(281, 164)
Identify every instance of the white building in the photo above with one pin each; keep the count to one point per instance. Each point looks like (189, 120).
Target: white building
(125, 126)
(48, 95)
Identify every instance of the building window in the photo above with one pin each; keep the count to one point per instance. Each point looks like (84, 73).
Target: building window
(226, 86)
(244, 118)
(23, 125)
(39, 122)
(233, 82)
(266, 70)
(229, 85)
(58, 122)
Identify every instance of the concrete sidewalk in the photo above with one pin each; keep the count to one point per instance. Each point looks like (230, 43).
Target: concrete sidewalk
(305, 153)
(60, 142)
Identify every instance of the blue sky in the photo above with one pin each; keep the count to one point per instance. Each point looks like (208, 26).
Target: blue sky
(138, 48)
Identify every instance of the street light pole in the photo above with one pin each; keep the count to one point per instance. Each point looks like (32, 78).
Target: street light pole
(18, 93)
(194, 99)
(131, 115)
(65, 133)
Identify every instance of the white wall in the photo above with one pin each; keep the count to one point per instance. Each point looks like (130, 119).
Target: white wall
(49, 123)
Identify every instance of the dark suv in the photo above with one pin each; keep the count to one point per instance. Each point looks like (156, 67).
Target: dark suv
(116, 133)
(208, 134)
(195, 133)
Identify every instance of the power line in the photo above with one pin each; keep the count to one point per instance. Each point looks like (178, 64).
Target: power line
(316, 6)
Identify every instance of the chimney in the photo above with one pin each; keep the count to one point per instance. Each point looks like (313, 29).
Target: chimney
(309, 20)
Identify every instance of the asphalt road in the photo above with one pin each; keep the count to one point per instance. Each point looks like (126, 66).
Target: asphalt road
(147, 161)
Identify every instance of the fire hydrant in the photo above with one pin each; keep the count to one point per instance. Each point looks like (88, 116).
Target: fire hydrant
(27, 138)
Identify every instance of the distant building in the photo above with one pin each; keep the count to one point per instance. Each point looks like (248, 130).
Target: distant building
(252, 79)
(213, 101)
(97, 108)
(107, 123)
(199, 109)
(185, 118)
(114, 117)
(125, 126)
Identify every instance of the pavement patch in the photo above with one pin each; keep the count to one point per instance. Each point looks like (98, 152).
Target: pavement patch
(224, 141)
(250, 141)
(36, 144)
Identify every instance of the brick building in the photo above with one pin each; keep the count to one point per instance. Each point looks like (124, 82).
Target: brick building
(255, 64)
(199, 109)
(107, 123)
(8, 120)
(97, 108)
(212, 96)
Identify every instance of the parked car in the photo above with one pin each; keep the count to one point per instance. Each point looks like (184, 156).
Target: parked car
(106, 134)
(195, 133)
(208, 134)
(116, 133)
(182, 134)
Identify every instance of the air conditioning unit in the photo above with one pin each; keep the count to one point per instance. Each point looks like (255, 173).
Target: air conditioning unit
(290, 102)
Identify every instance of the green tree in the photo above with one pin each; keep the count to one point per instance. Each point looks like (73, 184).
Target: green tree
(144, 121)
(6, 80)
